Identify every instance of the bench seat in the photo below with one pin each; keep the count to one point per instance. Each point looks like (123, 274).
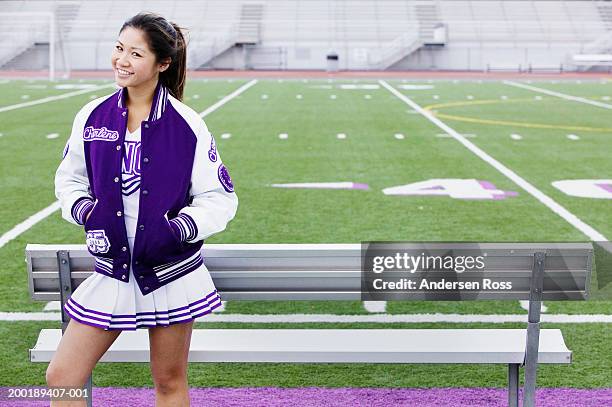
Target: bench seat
(336, 346)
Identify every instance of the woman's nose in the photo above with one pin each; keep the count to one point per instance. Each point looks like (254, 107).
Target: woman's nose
(122, 60)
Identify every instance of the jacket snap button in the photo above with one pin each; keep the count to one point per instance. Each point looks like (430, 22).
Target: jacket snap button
(146, 126)
(116, 179)
(145, 192)
(124, 249)
(123, 114)
(123, 277)
(146, 288)
(136, 262)
(141, 277)
(146, 159)
(118, 147)
(125, 266)
(141, 227)
(118, 213)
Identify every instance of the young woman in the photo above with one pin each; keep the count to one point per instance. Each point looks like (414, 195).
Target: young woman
(142, 174)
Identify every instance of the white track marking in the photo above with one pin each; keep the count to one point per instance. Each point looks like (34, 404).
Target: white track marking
(283, 136)
(516, 137)
(444, 135)
(375, 306)
(52, 306)
(573, 137)
(341, 136)
(40, 215)
(53, 98)
(572, 219)
(28, 223)
(333, 318)
(52, 135)
(559, 94)
(525, 305)
(226, 135)
(399, 136)
(228, 98)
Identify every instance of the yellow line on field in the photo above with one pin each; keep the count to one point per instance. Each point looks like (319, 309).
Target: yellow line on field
(503, 122)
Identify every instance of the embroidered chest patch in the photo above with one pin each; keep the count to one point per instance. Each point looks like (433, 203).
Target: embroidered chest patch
(102, 134)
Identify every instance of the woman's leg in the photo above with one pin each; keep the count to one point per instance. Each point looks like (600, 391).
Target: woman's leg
(169, 347)
(78, 352)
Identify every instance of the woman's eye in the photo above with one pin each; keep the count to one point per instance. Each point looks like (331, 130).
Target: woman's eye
(117, 47)
(136, 54)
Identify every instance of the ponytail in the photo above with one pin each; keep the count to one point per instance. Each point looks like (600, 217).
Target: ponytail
(174, 77)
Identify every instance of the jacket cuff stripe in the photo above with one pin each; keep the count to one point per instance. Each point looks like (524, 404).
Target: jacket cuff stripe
(81, 208)
(185, 227)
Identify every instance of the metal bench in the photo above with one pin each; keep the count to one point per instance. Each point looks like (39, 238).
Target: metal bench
(333, 272)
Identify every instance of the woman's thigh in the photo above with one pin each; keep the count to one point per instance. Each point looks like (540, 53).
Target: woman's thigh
(78, 352)
(169, 347)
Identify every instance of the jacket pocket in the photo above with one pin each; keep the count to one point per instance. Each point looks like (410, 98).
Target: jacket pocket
(98, 242)
(163, 242)
(90, 214)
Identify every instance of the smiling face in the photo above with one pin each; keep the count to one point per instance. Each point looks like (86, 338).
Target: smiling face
(133, 61)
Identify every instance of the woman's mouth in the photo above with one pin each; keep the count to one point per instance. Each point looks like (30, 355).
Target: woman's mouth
(123, 72)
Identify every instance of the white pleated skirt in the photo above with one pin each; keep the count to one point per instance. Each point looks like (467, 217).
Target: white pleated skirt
(110, 304)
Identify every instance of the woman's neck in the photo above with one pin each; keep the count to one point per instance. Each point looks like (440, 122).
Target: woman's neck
(141, 97)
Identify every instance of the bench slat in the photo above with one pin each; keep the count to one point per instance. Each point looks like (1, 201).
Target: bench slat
(336, 346)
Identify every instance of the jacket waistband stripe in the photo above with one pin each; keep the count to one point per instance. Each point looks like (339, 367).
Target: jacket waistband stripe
(170, 273)
(177, 263)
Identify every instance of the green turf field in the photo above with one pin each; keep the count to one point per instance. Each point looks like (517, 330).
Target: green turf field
(525, 130)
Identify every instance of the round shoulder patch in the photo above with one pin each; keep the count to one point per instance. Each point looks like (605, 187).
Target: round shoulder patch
(225, 179)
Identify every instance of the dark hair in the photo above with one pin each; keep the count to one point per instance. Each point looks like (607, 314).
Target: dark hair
(166, 41)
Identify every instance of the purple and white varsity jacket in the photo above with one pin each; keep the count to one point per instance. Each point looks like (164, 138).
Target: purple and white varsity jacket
(186, 193)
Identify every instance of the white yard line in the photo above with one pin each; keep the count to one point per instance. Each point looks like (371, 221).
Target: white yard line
(572, 219)
(525, 305)
(227, 98)
(53, 98)
(37, 217)
(375, 306)
(559, 94)
(28, 223)
(332, 318)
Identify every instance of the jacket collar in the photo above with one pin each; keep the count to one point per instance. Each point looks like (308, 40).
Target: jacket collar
(160, 99)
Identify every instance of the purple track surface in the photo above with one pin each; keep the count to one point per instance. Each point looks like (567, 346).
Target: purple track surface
(318, 396)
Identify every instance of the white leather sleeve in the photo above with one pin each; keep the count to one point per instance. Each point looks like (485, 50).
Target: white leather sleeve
(71, 182)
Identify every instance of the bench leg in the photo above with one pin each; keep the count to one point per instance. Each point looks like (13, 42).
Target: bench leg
(531, 364)
(89, 386)
(513, 381)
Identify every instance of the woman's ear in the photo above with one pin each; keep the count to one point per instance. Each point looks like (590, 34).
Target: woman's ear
(165, 64)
